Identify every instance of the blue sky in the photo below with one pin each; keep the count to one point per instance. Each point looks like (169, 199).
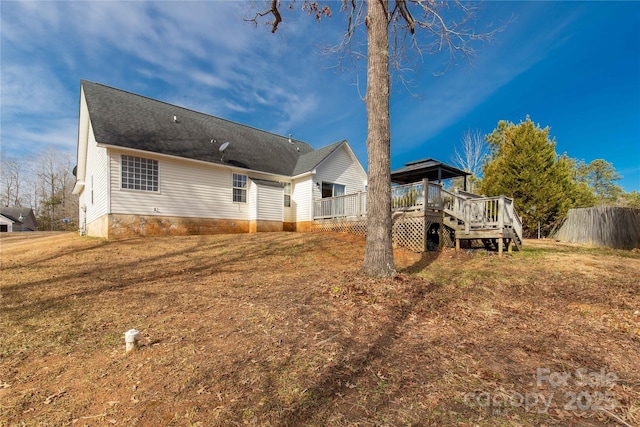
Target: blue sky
(572, 66)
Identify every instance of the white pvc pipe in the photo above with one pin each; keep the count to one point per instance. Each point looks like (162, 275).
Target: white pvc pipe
(131, 339)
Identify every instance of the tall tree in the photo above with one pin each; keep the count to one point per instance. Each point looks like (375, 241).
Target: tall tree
(11, 177)
(396, 20)
(582, 194)
(53, 187)
(630, 199)
(524, 165)
(601, 176)
(471, 155)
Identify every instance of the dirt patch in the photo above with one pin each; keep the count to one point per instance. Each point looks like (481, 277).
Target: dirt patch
(281, 329)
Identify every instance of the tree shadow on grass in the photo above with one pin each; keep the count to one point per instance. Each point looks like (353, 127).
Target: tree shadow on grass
(338, 379)
(99, 278)
(316, 394)
(426, 259)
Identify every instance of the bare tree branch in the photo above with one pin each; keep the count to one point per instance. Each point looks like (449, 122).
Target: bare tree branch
(273, 10)
(472, 154)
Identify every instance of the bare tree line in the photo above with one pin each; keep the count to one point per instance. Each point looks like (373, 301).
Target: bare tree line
(43, 183)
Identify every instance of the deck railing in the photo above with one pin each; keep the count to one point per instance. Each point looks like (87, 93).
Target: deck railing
(476, 212)
(416, 196)
(479, 212)
(407, 198)
(350, 205)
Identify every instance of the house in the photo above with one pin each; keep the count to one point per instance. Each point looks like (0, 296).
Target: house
(146, 167)
(17, 219)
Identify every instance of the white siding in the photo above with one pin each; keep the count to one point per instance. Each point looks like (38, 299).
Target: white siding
(270, 203)
(288, 213)
(7, 222)
(192, 189)
(95, 195)
(186, 189)
(252, 200)
(302, 199)
(340, 168)
(199, 190)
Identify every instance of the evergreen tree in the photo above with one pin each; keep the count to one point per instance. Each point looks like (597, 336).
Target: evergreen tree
(630, 199)
(524, 165)
(581, 193)
(600, 175)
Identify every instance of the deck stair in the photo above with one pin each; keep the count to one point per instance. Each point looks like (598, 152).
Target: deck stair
(493, 220)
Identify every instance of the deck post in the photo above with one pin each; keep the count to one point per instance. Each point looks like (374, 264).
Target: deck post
(425, 230)
(457, 244)
(467, 216)
(358, 203)
(500, 247)
(510, 246)
(425, 193)
(501, 214)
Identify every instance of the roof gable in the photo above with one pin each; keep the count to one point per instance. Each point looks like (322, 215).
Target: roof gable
(14, 214)
(127, 120)
(309, 161)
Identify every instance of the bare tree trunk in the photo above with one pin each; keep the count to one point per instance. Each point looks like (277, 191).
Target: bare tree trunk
(378, 260)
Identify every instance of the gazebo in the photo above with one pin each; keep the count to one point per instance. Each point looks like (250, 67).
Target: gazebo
(431, 169)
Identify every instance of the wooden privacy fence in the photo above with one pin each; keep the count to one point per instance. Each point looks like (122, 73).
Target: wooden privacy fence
(612, 226)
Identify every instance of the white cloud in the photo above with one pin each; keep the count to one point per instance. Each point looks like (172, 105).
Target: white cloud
(29, 89)
(26, 139)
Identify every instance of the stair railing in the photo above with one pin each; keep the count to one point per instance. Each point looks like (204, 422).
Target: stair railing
(513, 217)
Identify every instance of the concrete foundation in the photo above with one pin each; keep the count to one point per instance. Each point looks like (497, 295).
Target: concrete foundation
(122, 226)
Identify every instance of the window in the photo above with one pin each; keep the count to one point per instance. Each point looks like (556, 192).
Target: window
(287, 194)
(139, 173)
(331, 190)
(239, 188)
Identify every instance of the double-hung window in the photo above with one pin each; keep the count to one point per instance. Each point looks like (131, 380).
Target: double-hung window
(239, 188)
(139, 173)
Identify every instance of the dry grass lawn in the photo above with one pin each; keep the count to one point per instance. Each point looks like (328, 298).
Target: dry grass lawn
(281, 330)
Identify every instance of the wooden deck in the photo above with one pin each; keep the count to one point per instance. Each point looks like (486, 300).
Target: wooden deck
(419, 206)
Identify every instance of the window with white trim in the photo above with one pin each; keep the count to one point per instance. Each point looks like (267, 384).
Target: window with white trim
(287, 194)
(239, 188)
(329, 189)
(139, 173)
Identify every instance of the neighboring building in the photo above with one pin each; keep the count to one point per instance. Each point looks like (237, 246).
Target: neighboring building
(17, 219)
(147, 167)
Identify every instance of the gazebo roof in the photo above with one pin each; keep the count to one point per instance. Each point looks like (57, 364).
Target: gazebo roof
(431, 169)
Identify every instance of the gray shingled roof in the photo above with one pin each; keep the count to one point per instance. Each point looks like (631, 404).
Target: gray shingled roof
(28, 218)
(124, 119)
(308, 161)
(267, 182)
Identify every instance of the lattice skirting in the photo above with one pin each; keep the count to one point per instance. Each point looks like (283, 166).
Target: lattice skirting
(341, 225)
(408, 230)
